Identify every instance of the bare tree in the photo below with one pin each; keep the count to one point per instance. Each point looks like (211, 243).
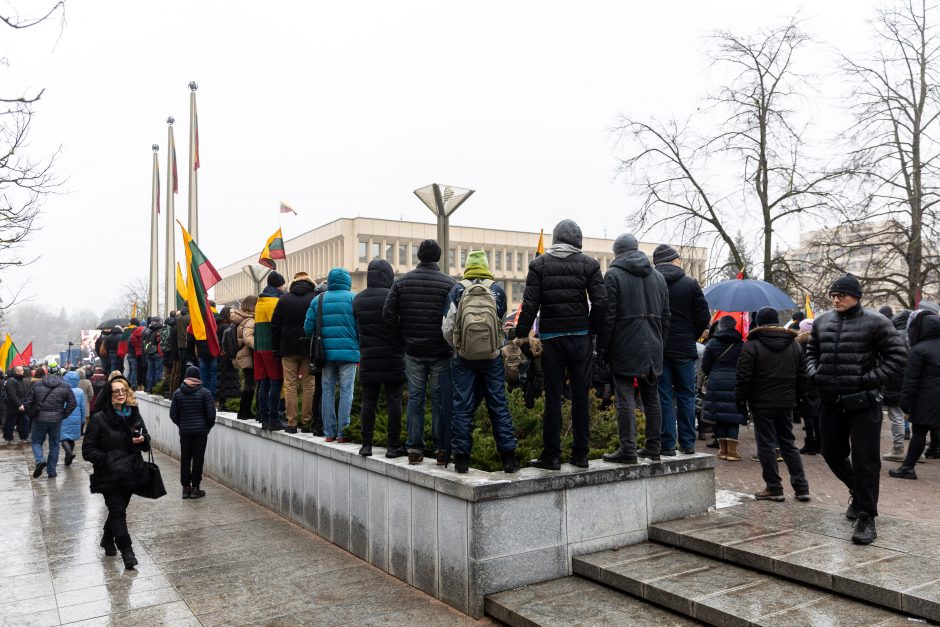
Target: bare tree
(896, 102)
(674, 167)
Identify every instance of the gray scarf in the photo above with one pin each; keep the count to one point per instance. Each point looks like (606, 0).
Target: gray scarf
(562, 250)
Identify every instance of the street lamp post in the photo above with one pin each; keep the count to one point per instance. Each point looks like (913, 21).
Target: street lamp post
(257, 273)
(68, 358)
(443, 203)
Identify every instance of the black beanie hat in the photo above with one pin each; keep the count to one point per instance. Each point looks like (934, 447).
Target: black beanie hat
(767, 315)
(192, 372)
(275, 279)
(664, 253)
(886, 311)
(847, 284)
(429, 250)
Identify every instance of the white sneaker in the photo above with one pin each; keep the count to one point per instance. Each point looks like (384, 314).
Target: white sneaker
(896, 455)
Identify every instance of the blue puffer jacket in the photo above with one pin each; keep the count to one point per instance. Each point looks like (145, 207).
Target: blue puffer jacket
(72, 425)
(340, 336)
(720, 364)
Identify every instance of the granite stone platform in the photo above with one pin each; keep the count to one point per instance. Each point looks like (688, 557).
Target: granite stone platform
(456, 537)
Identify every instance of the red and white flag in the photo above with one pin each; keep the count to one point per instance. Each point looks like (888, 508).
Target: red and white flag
(285, 208)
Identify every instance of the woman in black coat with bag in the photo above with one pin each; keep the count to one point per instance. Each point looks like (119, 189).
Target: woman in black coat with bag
(113, 442)
(720, 365)
(920, 392)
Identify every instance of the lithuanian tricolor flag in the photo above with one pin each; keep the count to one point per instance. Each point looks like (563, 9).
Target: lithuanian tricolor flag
(540, 247)
(180, 288)
(273, 249)
(201, 276)
(23, 358)
(809, 307)
(8, 353)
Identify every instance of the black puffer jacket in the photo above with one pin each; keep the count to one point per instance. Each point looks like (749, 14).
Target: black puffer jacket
(55, 396)
(809, 401)
(557, 289)
(193, 409)
(852, 351)
(637, 320)
(107, 445)
(891, 393)
(689, 313)
(720, 365)
(920, 393)
(287, 321)
(771, 370)
(111, 342)
(381, 349)
(416, 305)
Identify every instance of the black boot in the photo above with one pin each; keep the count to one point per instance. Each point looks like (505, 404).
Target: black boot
(904, 472)
(127, 552)
(366, 450)
(620, 457)
(462, 463)
(864, 530)
(107, 543)
(550, 463)
(510, 461)
(244, 406)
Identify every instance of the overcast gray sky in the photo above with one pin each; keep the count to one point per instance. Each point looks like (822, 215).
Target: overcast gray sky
(342, 109)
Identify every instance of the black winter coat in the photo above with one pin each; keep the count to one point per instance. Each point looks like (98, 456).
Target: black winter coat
(111, 343)
(637, 320)
(891, 394)
(720, 365)
(852, 351)
(415, 304)
(287, 321)
(809, 401)
(193, 410)
(920, 393)
(689, 313)
(381, 349)
(55, 398)
(16, 393)
(227, 383)
(107, 445)
(771, 370)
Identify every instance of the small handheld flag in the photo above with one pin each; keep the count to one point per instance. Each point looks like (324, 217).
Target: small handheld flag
(540, 247)
(273, 249)
(285, 208)
(809, 307)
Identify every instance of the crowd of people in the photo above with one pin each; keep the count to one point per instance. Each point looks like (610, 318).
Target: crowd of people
(644, 324)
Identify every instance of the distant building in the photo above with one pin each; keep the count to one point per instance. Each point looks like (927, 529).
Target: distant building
(352, 243)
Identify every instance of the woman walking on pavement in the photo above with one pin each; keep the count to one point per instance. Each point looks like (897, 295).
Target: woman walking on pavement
(193, 411)
(113, 443)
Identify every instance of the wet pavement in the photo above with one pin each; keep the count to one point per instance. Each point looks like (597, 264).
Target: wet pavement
(221, 560)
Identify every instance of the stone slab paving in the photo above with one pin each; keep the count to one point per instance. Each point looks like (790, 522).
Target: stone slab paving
(811, 544)
(221, 560)
(719, 593)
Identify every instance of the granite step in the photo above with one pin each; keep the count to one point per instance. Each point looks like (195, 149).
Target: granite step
(576, 601)
(901, 571)
(719, 593)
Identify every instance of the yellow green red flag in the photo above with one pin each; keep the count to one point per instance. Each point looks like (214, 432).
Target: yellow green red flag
(8, 353)
(540, 247)
(273, 249)
(809, 307)
(180, 288)
(201, 275)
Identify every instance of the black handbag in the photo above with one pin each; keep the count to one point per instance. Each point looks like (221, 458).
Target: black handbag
(150, 485)
(34, 408)
(860, 400)
(317, 351)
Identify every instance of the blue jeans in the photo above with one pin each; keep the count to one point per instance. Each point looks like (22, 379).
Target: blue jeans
(470, 378)
(269, 397)
(208, 369)
(113, 363)
(132, 370)
(154, 370)
(345, 375)
(679, 376)
(424, 373)
(39, 433)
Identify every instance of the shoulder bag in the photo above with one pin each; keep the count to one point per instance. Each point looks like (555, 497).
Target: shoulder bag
(317, 351)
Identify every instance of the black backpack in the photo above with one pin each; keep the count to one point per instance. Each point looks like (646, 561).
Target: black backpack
(165, 339)
(149, 341)
(230, 341)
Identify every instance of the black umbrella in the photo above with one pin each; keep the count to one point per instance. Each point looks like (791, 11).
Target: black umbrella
(110, 323)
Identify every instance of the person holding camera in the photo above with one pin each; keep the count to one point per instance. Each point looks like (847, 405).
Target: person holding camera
(192, 410)
(115, 437)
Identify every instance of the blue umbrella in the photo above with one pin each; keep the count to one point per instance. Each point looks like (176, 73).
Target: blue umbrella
(746, 295)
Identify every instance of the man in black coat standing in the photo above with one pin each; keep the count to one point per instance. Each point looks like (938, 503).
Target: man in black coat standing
(193, 412)
(293, 347)
(689, 319)
(557, 290)
(15, 419)
(851, 353)
(381, 358)
(632, 344)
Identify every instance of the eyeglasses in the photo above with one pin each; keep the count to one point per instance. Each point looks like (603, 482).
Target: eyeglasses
(838, 296)
(120, 392)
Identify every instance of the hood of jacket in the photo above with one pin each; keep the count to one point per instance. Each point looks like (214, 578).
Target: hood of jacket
(238, 315)
(71, 378)
(156, 325)
(169, 322)
(804, 336)
(567, 232)
(50, 380)
(270, 292)
(301, 287)
(929, 329)
(380, 274)
(339, 279)
(728, 336)
(634, 262)
(670, 272)
(189, 386)
(774, 337)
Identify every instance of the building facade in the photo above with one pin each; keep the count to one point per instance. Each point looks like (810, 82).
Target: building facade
(352, 243)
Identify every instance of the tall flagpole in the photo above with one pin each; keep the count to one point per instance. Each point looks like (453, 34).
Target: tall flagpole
(171, 188)
(193, 163)
(153, 304)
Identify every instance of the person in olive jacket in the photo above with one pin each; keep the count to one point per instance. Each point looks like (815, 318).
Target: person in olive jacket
(193, 412)
(381, 358)
(851, 353)
(920, 392)
(113, 442)
(769, 380)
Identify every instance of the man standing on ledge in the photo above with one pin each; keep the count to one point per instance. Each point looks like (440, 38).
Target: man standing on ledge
(557, 289)
(851, 353)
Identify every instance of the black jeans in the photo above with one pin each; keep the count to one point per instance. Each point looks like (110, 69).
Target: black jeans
(566, 356)
(116, 524)
(192, 455)
(370, 399)
(648, 388)
(16, 421)
(773, 428)
(856, 434)
(918, 443)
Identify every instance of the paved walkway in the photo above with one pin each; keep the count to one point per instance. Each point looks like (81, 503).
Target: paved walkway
(213, 561)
